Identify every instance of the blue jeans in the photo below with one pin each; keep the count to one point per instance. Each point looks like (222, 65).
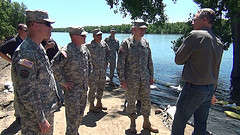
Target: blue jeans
(194, 100)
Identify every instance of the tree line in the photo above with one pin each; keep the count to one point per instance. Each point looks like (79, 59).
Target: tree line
(167, 28)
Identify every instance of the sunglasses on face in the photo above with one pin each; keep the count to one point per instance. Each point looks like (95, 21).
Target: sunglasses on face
(48, 24)
(25, 30)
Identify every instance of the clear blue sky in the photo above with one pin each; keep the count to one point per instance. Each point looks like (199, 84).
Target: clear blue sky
(97, 12)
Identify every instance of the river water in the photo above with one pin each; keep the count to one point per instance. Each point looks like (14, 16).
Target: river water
(168, 78)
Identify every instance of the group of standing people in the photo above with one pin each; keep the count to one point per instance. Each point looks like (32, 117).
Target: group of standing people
(80, 65)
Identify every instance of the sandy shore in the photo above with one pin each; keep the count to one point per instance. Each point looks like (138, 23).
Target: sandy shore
(113, 121)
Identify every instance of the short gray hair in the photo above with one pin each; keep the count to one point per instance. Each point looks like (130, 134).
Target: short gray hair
(208, 13)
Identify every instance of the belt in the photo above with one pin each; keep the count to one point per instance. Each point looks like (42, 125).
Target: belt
(191, 84)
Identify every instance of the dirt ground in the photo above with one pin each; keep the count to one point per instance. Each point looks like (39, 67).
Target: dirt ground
(113, 121)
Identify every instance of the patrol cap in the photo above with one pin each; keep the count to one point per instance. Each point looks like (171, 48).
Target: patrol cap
(37, 15)
(77, 30)
(139, 23)
(112, 30)
(97, 32)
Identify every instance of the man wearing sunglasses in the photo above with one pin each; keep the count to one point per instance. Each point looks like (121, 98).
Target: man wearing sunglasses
(71, 68)
(34, 83)
(8, 48)
(11, 45)
(99, 51)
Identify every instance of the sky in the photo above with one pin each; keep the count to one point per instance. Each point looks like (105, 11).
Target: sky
(96, 12)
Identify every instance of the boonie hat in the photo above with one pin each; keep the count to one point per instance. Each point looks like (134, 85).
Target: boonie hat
(97, 32)
(139, 23)
(77, 30)
(37, 15)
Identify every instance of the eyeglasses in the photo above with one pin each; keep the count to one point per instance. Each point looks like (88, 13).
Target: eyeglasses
(99, 35)
(83, 36)
(48, 24)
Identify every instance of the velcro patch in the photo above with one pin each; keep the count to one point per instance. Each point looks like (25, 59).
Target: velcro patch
(26, 63)
(24, 73)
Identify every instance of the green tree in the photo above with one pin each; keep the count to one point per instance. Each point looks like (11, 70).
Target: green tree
(11, 14)
(178, 28)
(149, 10)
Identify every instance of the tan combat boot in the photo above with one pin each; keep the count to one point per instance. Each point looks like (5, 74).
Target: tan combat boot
(93, 109)
(147, 125)
(133, 124)
(99, 105)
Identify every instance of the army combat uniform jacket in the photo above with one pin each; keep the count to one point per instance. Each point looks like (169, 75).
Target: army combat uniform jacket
(113, 45)
(135, 62)
(34, 83)
(72, 64)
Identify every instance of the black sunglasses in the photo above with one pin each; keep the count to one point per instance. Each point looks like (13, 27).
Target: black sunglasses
(48, 24)
(24, 30)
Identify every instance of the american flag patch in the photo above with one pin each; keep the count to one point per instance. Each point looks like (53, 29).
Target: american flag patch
(26, 63)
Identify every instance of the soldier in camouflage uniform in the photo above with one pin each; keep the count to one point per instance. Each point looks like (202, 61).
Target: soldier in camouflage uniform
(113, 44)
(135, 70)
(71, 69)
(33, 78)
(99, 51)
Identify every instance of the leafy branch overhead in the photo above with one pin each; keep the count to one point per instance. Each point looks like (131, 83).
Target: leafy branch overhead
(151, 11)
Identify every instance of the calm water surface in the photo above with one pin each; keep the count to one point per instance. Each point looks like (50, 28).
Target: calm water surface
(166, 71)
(168, 74)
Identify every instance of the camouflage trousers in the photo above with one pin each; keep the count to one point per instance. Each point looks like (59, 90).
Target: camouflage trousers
(75, 104)
(112, 68)
(29, 124)
(96, 85)
(15, 105)
(134, 90)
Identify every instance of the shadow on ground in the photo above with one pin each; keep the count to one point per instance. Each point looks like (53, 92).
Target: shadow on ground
(91, 118)
(12, 129)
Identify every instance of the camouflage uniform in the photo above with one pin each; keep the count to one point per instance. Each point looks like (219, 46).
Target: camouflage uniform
(99, 57)
(113, 45)
(35, 87)
(72, 65)
(136, 67)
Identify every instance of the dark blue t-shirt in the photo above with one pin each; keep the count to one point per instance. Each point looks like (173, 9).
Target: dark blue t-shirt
(10, 46)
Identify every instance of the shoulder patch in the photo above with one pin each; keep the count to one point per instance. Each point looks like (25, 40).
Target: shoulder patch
(24, 73)
(26, 63)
